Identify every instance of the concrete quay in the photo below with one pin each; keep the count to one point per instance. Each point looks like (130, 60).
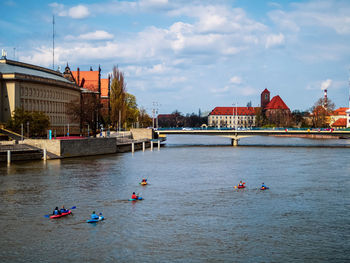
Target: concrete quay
(32, 149)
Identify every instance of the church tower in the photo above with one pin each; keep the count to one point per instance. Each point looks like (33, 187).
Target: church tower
(265, 98)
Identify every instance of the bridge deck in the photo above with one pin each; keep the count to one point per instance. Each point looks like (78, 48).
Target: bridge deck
(244, 133)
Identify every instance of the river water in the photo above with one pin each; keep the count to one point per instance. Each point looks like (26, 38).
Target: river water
(190, 211)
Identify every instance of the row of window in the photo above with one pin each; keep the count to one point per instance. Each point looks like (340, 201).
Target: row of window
(47, 93)
(233, 117)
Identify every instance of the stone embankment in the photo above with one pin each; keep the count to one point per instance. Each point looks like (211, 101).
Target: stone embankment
(116, 142)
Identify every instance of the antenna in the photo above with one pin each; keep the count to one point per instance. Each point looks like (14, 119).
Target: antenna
(53, 42)
(14, 53)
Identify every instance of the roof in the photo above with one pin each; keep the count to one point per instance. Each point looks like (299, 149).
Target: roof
(265, 90)
(340, 111)
(276, 103)
(233, 110)
(104, 87)
(87, 79)
(339, 123)
(13, 67)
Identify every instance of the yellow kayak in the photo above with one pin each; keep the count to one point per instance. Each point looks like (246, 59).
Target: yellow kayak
(143, 183)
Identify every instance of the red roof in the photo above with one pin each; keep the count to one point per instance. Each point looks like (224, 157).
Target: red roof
(87, 79)
(276, 103)
(340, 111)
(232, 110)
(265, 90)
(104, 87)
(340, 122)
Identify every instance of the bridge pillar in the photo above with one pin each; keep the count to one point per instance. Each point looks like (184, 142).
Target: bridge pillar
(234, 142)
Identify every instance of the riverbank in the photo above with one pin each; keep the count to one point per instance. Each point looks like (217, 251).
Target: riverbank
(65, 147)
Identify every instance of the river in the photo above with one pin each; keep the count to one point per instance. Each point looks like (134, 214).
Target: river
(190, 211)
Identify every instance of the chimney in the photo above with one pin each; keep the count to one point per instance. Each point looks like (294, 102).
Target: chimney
(78, 77)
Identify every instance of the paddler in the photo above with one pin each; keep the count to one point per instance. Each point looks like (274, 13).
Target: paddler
(263, 186)
(56, 211)
(134, 196)
(63, 210)
(94, 216)
(240, 183)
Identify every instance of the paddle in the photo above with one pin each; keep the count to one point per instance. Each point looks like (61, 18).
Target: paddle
(48, 216)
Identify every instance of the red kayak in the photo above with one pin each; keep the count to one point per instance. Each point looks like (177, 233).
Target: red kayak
(241, 186)
(62, 214)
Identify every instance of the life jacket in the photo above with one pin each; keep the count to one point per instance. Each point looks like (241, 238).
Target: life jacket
(134, 196)
(94, 216)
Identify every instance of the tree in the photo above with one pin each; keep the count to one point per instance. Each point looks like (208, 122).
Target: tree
(86, 111)
(38, 121)
(144, 119)
(132, 112)
(321, 113)
(117, 99)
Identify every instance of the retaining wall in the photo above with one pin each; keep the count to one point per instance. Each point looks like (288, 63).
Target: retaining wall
(77, 147)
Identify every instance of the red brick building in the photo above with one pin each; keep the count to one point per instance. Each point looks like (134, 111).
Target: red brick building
(91, 80)
(275, 111)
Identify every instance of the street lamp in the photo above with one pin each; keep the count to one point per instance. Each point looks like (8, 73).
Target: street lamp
(28, 129)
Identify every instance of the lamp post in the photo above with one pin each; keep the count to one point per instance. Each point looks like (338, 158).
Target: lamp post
(28, 129)
(21, 131)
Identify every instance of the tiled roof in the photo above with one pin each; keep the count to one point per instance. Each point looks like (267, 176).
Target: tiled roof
(276, 103)
(87, 79)
(340, 111)
(339, 123)
(232, 110)
(265, 90)
(104, 87)
(9, 67)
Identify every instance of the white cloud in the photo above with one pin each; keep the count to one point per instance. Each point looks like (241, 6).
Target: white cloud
(316, 14)
(236, 80)
(97, 35)
(326, 84)
(274, 40)
(78, 12)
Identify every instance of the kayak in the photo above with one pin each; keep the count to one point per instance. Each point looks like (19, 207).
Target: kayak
(264, 188)
(240, 186)
(62, 214)
(143, 183)
(100, 218)
(139, 198)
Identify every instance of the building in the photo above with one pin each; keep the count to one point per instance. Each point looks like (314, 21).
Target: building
(91, 80)
(232, 117)
(276, 111)
(35, 88)
(338, 118)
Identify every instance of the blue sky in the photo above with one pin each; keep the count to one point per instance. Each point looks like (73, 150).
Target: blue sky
(187, 55)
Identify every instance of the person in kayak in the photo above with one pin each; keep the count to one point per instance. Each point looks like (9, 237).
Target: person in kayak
(263, 186)
(240, 183)
(63, 210)
(134, 196)
(56, 211)
(144, 180)
(94, 216)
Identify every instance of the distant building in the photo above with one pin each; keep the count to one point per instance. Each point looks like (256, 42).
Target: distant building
(338, 118)
(35, 88)
(231, 117)
(276, 111)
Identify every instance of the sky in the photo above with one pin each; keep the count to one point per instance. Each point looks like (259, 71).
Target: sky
(188, 55)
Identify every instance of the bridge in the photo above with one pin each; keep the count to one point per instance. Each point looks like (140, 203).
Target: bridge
(236, 135)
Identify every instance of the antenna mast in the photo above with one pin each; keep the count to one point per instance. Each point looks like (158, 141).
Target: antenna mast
(53, 42)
